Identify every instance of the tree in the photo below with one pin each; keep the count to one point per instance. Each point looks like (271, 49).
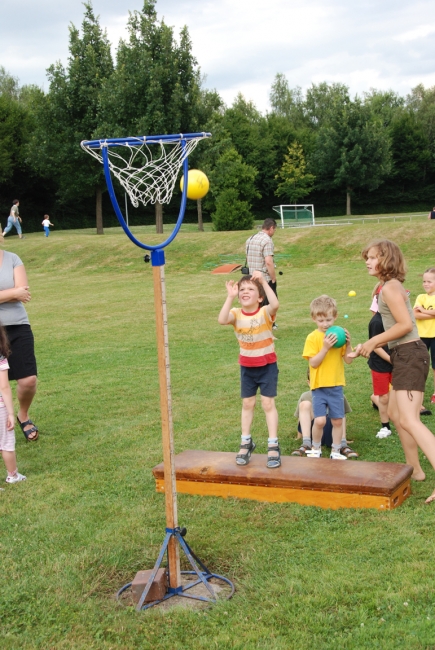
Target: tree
(287, 102)
(232, 184)
(323, 101)
(155, 88)
(69, 114)
(353, 150)
(296, 182)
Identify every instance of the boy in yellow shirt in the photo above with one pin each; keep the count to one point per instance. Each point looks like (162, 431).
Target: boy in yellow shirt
(326, 375)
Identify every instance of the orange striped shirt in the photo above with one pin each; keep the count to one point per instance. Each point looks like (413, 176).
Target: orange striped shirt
(254, 333)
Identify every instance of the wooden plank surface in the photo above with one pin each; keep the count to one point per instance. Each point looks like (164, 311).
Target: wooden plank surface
(320, 474)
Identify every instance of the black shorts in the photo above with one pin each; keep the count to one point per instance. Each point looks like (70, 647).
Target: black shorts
(22, 362)
(430, 344)
(264, 378)
(410, 363)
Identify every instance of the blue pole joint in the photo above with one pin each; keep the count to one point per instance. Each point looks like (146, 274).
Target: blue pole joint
(158, 257)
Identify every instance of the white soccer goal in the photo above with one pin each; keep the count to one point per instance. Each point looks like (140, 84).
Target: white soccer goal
(295, 215)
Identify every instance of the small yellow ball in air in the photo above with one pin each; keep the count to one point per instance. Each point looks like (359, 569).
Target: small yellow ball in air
(351, 294)
(197, 184)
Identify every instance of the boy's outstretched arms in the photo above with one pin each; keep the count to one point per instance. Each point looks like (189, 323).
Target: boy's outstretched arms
(225, 317)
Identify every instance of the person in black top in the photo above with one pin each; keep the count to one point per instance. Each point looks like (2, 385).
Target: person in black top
(381, 369)
(431, 214)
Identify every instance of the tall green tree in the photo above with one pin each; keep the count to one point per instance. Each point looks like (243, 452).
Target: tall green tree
(353, 150)
(295, 181)
(69, 114)
(155, 88)
(287, 102)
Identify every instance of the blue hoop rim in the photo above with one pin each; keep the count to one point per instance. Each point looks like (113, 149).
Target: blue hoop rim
(143, 139)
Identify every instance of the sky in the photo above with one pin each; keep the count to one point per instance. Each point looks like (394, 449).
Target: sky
(241, 45)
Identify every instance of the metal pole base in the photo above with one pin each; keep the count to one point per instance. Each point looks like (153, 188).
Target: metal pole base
(201, 572)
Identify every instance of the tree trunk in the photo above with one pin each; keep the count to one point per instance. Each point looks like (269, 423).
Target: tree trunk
(99, 209)
(348, 208)
(200, 223)
(159, 218)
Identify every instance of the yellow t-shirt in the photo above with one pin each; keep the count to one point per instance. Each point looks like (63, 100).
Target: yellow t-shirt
(426, 328)
(331, 370)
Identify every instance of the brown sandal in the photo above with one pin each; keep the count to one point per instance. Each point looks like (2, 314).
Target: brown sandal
(301, 451)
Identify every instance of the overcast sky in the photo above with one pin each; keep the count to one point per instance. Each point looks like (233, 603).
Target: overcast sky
(240, 45)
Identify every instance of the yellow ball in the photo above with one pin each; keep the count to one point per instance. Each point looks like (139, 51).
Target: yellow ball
(197, 184)
(351, 294)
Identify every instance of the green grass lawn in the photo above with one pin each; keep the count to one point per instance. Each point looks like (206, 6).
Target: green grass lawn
(88, 517)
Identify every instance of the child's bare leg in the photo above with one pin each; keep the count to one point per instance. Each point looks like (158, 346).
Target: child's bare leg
(408, 442)
(375, 399)
(305, 419)
(317, 432)
(337, 431)
(10, 461)
(269, 408)
(383, 407)
(248, 407)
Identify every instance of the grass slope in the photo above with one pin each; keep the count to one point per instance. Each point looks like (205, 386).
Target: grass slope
(88, 518)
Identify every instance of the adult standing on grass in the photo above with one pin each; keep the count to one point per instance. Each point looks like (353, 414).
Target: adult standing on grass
(14, 291)
(431, 214)
(408, 354)
(14, 220)
(259, 255)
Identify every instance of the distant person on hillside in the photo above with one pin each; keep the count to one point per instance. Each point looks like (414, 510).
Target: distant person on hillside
(46, 224)
(259, 255)
(431, 214)
(14, 220)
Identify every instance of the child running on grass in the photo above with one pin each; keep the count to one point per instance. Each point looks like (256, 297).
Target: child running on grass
(424, 312)
(7, 435)
(258, 365)
(326, 375)
(408, 354)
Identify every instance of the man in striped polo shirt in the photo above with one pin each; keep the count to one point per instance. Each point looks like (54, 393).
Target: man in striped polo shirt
(252, 324)
(259, 255)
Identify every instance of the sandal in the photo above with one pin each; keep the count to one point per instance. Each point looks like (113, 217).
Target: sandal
(273, 461)
(301, 451)
(348, 452)
(28, 432)
(243, 459)
(425, 411)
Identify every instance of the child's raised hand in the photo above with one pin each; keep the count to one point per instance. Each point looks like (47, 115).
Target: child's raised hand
(362, 350)
(232, 288)
(347, 336)
(257, 275)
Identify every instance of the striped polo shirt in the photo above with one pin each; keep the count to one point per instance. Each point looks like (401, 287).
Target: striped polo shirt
(254, 333)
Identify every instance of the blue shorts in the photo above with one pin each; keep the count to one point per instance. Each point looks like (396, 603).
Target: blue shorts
(328, 401)
(264, 378)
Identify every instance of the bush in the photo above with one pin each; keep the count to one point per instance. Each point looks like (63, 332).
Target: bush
(232, 213)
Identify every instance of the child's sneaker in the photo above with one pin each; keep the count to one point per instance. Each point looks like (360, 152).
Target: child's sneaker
(15, 478)
(335, 455)
(314, 453)
(383, 433)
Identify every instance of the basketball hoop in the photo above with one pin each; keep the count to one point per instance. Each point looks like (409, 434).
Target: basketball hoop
(148, 176)
(147, 168)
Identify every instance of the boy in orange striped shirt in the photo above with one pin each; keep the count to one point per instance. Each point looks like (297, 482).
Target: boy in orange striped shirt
(258, 367)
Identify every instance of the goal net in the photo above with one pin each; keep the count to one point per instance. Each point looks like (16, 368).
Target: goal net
(295, 215)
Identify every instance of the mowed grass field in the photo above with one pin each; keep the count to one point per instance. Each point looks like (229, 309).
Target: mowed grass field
(88, 517)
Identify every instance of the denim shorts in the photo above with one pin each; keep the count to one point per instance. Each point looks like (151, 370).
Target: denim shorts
(264, 378)
(328, 400)
(410, 363)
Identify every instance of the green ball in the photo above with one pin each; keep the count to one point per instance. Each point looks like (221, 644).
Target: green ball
(339, 333)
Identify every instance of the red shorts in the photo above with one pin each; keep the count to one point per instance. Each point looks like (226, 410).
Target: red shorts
(381, 382)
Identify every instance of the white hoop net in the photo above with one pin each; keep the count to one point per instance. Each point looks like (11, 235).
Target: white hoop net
(147, 173)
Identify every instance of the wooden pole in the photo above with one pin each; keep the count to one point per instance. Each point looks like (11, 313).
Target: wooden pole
(167, 426)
